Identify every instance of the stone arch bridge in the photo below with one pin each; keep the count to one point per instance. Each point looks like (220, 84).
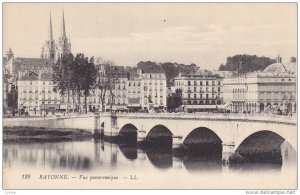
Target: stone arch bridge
(231, 129)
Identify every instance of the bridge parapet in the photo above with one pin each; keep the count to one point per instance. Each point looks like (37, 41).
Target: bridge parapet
(291, 120)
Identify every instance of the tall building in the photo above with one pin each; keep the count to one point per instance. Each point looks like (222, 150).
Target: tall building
(54, 50)
(200, 91)
(153, 87)
(36, 93)
(273, 89)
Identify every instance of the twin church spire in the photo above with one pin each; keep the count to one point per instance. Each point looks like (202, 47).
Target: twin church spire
(54, 50)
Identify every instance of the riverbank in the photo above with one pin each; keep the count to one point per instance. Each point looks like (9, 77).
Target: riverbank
(28, 134)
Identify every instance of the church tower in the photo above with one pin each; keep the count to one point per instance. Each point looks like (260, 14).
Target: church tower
(63, 44)
(48, 49)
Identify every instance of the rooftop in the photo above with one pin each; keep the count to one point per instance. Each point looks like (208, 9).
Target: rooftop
(33, 63)
(281, 67)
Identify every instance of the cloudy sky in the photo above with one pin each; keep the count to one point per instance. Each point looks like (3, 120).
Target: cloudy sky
(204, 34)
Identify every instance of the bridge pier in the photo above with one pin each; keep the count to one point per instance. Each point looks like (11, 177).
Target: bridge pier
(112, 132)
(141, 135)
(227, 152)
(177, 142)
(98, 130)
(111, 128)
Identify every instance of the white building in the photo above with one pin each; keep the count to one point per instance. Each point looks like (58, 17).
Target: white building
(266, 91)
(147, 90)
(200, 91)
(153, 89)
(35, 94)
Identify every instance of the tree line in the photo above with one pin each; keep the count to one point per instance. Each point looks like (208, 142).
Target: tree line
(246, 63)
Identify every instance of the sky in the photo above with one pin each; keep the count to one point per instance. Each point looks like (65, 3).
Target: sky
(127, 33)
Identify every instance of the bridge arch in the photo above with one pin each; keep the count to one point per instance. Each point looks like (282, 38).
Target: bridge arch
(128, 128)
(205, 134)
(261, 141)
(203, 140)
(159, 131)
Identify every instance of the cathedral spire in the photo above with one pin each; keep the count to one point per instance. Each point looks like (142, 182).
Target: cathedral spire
(63, 28)
(50, 29)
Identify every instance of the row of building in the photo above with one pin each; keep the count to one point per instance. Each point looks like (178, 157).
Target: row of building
(270, 90)
(138, 89)
(28, 86)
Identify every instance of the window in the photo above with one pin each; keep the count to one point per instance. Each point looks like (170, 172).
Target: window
(189, 82)
(195, 82)
(200, 82)
(206, 82)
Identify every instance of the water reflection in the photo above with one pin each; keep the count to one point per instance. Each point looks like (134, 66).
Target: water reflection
(122, 155)
(160, 155)
(257, 167)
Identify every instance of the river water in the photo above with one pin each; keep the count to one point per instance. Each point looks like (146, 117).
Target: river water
(99, 164)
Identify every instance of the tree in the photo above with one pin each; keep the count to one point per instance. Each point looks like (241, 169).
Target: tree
(88, 79)
(105, 81)
(246, 63)
(85, 75)
(171, 72)
(174, 100)
(293, 60)
(63, 76)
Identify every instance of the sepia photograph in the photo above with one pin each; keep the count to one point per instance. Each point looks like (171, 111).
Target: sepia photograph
(149, 96)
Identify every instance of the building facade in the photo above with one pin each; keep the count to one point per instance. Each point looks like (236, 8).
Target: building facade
(200, 91)
(138, 89)
(36, 94)
(271, 90)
